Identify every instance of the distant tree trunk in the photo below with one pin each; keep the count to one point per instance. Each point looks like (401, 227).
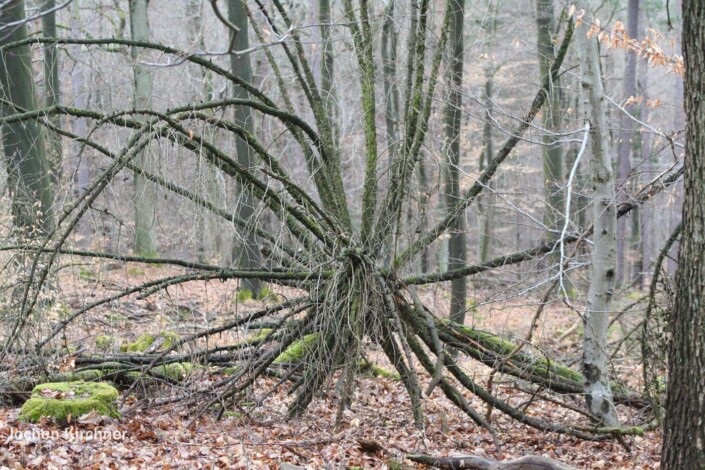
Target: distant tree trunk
(551, 120)
(82, 177)
(457, 248)
(52, 88)
(485, 203)
(207, 229)
(27, 163)
(245, 250)
(626, 136)
(684, 433)
(145, 192)
(602, 282)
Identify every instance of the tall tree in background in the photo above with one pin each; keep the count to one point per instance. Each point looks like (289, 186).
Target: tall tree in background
(684, 439)
(207, 228)
(145, 194)
(626, 137)
(551, 121)
(602, 279)
(457, 244)
(486, 202)
(245, 250)
(23, 143)
(52, 87)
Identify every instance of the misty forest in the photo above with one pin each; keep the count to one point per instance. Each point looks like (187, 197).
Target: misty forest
(352, 234)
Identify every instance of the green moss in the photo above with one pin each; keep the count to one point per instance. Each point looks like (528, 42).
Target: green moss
(298, 349)
(140, 345)
(144, 341)
(376, 371)
(634, 296)
(175, 371)
(267, 295)
(135, 272)
(243, 295)
(70, 399)
(169, 339)
(86, 274)
(104, 342)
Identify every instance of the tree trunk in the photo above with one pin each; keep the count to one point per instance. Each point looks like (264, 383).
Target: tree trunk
(457, 249)
(327, 66)
(486, 202)
(245, 249)
(684, 434)
(207, 229)
(82, 177)
(145, 192)
(595, 360)
(626, 136)
(551, 121)
(52, 90)
(27, 164)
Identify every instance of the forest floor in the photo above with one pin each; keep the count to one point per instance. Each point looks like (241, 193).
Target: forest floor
(377, 430)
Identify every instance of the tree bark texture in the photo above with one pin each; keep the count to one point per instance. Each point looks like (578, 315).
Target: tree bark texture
(52, 88)
(626, 137)
(145, 192)
(551, 121)
(457, 244)
(684, 434)
(245, 250)
(27, 163)
(602, 281)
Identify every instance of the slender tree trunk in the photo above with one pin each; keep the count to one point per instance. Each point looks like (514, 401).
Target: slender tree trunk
(457, 245)
(595, 360)
(52, 87)
(684, 433)
(245, 250)
(208, 230)
(551, 120)
(27, 163)
(145, 192)
(626, 136)
(485, 203)
(82, 177)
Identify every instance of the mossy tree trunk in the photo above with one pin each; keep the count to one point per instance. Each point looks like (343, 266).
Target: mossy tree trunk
(553, 173)
(457, 244)
(28, 167)
(52, 88)
(245, 248)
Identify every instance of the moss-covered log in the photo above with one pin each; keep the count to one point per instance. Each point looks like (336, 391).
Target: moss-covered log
(497, 352)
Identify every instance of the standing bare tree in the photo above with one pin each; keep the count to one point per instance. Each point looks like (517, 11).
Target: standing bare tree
(626, 144)
(52, 87)
(27, 163)
(551, 120)
(145, 198)
(457, 244)
(684, 439)
(245, 249)
(602, 280)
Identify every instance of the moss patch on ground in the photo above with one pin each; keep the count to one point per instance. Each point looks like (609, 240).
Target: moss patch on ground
(70, 399)
(145, 341)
